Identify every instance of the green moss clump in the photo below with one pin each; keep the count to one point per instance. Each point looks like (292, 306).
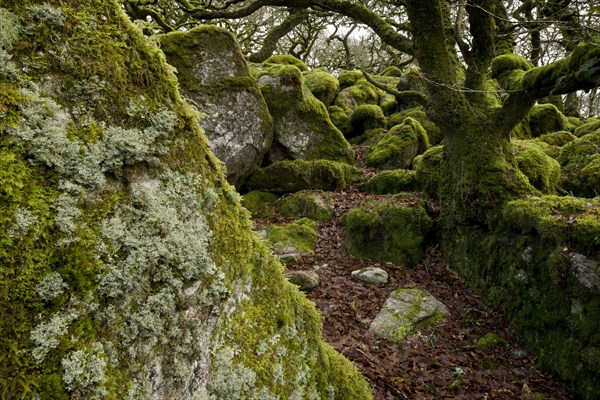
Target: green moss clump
(296, 175)
(591, 125)
(366, 117)
(392, 70)
(546, 118)
(361, 92)
(580, 163)
(341, 120)
(559, 138)
(301, 236)
(349, 78)
(508, 63)
(260, 204)
(388, 232)
(428, 171)
(489, 341)
(287, 59)
(542, 171)
(567, 220)
(392, 181)
(309, 204)
(434, 133)
(322, 85)
(399, 147)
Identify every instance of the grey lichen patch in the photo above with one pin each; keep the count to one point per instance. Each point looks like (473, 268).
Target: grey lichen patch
(51, 286)
(84, 372)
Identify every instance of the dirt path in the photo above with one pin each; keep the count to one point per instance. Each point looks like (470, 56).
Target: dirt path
(437, 362)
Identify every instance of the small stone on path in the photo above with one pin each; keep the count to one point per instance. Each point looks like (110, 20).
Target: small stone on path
(305, 279)
(371, 275)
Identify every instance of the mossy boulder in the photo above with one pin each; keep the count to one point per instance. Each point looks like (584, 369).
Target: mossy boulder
(590, 126)
(542, 170)
(293, 176)
(303, 129)
(546, 118)
(310, 204)
(428, 171)
(287, 59)
(361, 92)
(580, 163)
(390, 182)
(260, 204)
(558, 139)
(349, 78)
(126, 257)
(212, 72)
(298, 237)
(434, 133)
(399, 147)
(387, 232)
(341, 119)
(366, 117)
(322, 85)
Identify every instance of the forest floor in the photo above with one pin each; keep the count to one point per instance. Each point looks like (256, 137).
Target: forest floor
(436, 362)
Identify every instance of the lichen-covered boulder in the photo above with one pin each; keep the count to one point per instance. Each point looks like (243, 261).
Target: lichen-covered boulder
(371, 275)
(129, 268)
(212, 72)
(307, 203)
(399, 147)
(391, 181)
(546, 118)
(366, 117)
(297, 175)
(542, 170)
(303, 129)
(322, 85)
(428, 171)
(580, 165)
(389, 231)
(404, 310)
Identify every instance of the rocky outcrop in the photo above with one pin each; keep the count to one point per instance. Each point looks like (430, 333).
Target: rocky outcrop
(213, 74)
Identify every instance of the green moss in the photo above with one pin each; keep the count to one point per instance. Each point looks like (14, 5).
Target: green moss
(507, 63)
(366, 117)
(563, 220)
(428, 171)
(542, 171)
(287, 59)
(559, 138)
(341, 120)
(293, 176)
(300, 235)
(393, 181)
(546, 118)
(399, 146)
(387, 233)
(591, 125)
(580, 165)
(349, 78)
(489, 341)
(309, 204)
(361, 92)
(322, 84)
(260, 204)
(434, 133)
(392, 71)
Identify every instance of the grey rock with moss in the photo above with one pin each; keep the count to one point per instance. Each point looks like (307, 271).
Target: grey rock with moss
(371, 275)
(305, 279)
(303, 129)
(213, 74)
(404, 310)
(399, 147)
(586, 270)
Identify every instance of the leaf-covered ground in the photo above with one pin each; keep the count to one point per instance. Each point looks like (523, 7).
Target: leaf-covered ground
(437, 362)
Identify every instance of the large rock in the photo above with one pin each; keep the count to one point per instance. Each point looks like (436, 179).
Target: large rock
(212, 72)
(404, 310)
(580, 163)
(129, 269)
(303, 129)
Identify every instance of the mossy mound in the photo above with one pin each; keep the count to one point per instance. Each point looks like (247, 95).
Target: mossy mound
(428, 171)
(366, 117)
(392, 70)
(546, 118)
(434, 133)
(542, 170)
(580, 163)
(297, 175)
(322, 85)
(559, 138)
(387, 232)
(570, 221)
(399, 147)
(389, 182)
(489, 341)
(303, 129)
(349, 78)
(361, 92)
(340, 120)
(310, 204)
(298, 237)
(590, 126)
(260, 204)
(287, 59)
